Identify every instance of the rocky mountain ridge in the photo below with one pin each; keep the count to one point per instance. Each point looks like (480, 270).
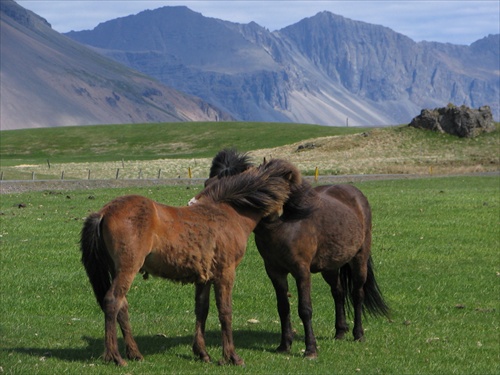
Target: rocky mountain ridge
(324, 69)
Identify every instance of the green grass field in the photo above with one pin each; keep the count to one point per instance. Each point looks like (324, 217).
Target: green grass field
(168, 150)
(435, 251)
(151, 141)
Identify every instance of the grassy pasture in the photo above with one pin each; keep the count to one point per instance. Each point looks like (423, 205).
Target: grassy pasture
(435, 249)
(139, 149)
(150, 141)
(168, 150)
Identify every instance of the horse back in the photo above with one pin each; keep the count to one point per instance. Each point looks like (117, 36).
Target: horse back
(128, 213)
(351, 197)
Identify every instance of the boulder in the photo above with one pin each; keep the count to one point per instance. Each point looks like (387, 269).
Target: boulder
(460, 121)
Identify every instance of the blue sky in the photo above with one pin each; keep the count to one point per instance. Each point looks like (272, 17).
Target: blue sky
(458, 22)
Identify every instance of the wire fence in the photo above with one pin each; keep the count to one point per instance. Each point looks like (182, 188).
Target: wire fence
(90, 175)
(134, 170)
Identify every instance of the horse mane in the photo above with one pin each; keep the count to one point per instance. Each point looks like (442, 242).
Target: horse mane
(262, 189)
(229, 162)
(301, 203)
(302, 200)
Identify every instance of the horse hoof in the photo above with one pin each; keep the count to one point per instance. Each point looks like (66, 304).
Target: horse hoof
(135, 357)
(310, 355)
(205, 358)
(201, 354)
(282, 349)
(118, 360)
(340, 336)
(237, 361)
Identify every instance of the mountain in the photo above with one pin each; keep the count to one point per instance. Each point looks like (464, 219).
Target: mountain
(47, 79)
(325, 69)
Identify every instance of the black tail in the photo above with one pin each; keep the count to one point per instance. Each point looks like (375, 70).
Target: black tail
(374, 303)
(95, 258)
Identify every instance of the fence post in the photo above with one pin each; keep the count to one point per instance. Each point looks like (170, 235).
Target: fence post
(117, 173)
(189, 172)
(88, 177)
(316, 174)
(48, 163)
(1, 176)
(159, 173)
(62, 175)
(33, 176)
(140, 174)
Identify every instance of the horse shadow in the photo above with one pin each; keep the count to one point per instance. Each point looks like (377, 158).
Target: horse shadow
(154, 344)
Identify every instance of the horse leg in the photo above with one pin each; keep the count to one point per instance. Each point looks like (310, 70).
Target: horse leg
(113, 303)
(303, 281)
(223, 298)
(359, 274)
(131, 347)
(338, 294)
(202, 304)
(280, 284)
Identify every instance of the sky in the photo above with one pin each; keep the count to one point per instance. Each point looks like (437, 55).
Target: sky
(446, 21)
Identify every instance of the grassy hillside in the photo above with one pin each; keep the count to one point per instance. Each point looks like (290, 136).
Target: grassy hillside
(150, 141)
(395, 150)
(170, 150)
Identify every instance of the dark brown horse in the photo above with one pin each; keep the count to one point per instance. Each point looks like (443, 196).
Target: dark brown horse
(200, 244)
(326, 229)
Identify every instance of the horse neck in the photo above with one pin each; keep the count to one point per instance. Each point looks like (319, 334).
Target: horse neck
(247, 218)
(266, 225)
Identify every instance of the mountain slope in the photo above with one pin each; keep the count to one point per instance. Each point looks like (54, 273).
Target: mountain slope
(49, 80)
(324, 69)
(378, 64)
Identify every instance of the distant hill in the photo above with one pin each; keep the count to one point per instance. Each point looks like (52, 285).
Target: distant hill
(50, 80)
(325, 69)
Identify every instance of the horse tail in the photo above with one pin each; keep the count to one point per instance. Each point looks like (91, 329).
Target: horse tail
(95, 258)
(374, 303)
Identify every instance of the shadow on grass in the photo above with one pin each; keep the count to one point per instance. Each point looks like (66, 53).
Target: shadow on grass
(149, 345)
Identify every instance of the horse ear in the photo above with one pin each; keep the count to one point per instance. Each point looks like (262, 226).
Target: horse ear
(294, 176)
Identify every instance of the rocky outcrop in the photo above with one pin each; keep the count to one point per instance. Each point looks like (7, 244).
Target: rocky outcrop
(460, 121)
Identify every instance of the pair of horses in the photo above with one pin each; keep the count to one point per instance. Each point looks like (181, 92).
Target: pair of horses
(326, 229)
(204, 242)
(200, 244)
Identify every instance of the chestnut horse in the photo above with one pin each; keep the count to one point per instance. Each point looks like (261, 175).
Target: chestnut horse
(326, 229)
(200, 244)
